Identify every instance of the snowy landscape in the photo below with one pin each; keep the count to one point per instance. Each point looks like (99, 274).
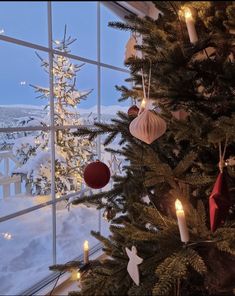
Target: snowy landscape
(26, 241)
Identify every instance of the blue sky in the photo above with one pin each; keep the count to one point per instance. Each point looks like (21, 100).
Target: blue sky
(28, 21)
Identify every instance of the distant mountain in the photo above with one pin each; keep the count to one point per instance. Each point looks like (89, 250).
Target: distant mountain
(11, 114)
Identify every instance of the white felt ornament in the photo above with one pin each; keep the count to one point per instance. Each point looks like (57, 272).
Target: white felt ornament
(132, 267)
(130, 48)
(147, 126)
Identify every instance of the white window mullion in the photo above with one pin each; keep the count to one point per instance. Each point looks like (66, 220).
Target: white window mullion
(52, 134)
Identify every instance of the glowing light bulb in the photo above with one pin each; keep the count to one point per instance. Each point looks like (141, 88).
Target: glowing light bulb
(178, 205)
(2, 31)
(188, 14)
(22, 82)
(143, 103)
(86, 252)
(78, 275)
(57, 42)
(86, 245)
(7, 235)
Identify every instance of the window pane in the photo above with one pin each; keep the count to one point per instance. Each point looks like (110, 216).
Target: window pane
(25, 170)
(75, 88)
(21, 70)
(109, 94)
(26, 20)
(73, 153)
(113, 41)
(73, 228)
(26, 247)
(81, 21)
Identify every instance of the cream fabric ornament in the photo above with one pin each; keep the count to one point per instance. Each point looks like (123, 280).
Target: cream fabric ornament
(130, 48)
(147, 126)
(132, 267)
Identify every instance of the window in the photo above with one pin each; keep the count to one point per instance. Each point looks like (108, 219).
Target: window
(36, 228)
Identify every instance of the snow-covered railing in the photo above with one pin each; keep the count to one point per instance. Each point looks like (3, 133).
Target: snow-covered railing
(6, 179)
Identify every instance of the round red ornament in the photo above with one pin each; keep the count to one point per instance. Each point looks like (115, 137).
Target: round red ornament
(133, 111)
(96, 174)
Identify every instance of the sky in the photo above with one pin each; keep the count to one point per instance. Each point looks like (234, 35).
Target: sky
(28, 21)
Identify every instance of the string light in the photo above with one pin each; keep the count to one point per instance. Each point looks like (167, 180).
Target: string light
(2, 31)
(57, 42)
(7, 235)
(22, 82)
(78, 275)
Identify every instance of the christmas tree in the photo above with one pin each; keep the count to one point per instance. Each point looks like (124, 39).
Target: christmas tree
(71, 154)
(174, 202)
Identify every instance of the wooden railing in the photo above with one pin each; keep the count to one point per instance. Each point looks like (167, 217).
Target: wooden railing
(6, 179)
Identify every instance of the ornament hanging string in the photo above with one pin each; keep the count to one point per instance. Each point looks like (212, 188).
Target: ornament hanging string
(222, 155)
(143, 83)
(150, 74)
(149, 80)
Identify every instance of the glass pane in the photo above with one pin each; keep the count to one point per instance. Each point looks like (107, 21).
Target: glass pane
(113, 41)
(73, 153)
(26, 247)
(75, 88)
(17, 18)
(73, 228)
(20, 70)
(25, 170)
(80, 19)
(109, 94)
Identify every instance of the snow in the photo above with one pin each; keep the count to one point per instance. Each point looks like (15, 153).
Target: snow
(109, 110)
(26, 241)
(28, 252)
(23, 106)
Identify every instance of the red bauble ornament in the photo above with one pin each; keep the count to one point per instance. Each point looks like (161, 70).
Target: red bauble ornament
(219, 202)
(133, 111)
(96, 174)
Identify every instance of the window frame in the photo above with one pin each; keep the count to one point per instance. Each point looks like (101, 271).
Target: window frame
(52, 128)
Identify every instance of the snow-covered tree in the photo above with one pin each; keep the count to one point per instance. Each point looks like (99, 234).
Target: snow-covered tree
(72, 153)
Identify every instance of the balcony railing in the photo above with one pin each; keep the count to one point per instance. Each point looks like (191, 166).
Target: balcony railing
(11, 185)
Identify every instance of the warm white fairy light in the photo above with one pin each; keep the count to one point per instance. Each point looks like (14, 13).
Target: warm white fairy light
(23, 83)
(2, 31)
(78, 275)
(7, 235)
(57, 42)
(86, 252)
